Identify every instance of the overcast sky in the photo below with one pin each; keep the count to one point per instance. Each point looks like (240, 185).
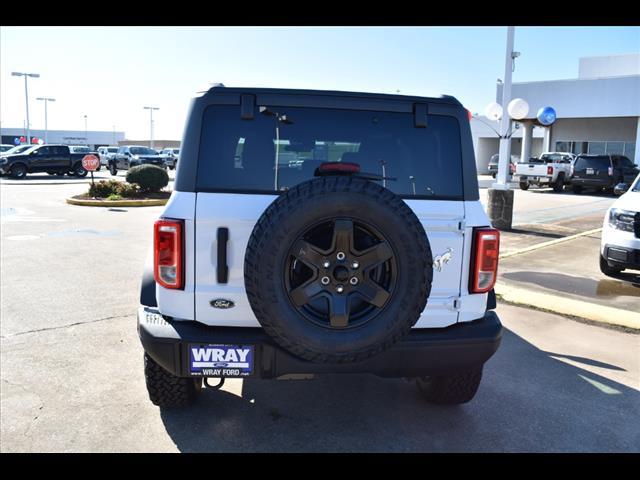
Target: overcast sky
(110, 73)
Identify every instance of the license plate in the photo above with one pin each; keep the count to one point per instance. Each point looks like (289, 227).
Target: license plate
(221, 360)
(590, 171)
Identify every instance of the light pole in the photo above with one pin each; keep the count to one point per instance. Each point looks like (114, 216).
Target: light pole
(46, 100)
(500, 198)
(151, 109)
(26, 96)
(86, 136)
(114, 135)
(278, 119)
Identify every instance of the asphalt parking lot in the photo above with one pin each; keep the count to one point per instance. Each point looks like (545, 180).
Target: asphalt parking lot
(71, 362)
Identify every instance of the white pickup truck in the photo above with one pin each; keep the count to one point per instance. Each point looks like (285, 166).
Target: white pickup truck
(552, 169)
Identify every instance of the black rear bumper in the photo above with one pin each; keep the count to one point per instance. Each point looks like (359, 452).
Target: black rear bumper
(423, 352)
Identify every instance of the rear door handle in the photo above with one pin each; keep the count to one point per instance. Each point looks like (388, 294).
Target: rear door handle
(222, 267)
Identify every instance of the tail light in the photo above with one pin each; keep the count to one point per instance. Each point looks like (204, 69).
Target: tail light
(610, 171)
(486, 248)
(549, 170)
(168, 254)
(512, 168)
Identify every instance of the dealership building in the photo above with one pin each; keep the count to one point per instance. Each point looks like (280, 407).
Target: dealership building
(66, 137)
(597, 113)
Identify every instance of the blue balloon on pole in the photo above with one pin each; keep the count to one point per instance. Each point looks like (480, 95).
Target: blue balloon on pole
(546, 116)
(16, 141)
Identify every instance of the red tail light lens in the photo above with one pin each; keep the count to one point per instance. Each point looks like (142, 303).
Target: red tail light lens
(549, 170)
(486, 248)
(168, 253)
(512, 168)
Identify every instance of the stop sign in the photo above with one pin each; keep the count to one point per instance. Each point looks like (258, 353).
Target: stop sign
(90, 163)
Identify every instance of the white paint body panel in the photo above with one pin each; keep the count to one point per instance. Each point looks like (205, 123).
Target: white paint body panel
(448, 225)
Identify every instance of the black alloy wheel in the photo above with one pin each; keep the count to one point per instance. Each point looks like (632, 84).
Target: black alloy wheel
(340, 274)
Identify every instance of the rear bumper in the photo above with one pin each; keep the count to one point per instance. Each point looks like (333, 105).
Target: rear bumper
(422, 352)
(592, 182)
(534, 178)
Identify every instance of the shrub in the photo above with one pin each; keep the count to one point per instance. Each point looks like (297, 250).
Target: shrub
(104, 188)
(150, 178)
(114, 196)
(127, 189)
(108, 188)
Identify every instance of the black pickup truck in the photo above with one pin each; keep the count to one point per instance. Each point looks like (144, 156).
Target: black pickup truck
(53, 159)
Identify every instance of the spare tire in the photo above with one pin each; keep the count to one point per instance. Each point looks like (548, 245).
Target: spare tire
(338, 269)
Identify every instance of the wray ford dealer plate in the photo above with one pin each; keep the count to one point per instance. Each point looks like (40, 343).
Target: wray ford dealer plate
(221, 360)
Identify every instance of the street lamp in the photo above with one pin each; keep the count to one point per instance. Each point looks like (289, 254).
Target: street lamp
(26, 96)
(278, 119)
(151, 109)
(46, 130)
(86, 135)
(500, 198)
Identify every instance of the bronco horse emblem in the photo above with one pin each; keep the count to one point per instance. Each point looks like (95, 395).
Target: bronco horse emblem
(441, 260)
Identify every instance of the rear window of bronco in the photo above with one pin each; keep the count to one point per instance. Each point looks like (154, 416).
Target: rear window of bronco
(282, 146)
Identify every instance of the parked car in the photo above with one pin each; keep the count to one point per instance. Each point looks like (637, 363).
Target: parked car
(5, 147)
(172, 155)
(16, 149)
(620, 244)
(493, 164)
(85, 150)
(105, 154)
(53, 159)
(129, 156)
(601, 172)
(551, 169)
(264, 269)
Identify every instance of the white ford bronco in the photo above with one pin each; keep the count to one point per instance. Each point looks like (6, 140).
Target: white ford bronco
(316, 232)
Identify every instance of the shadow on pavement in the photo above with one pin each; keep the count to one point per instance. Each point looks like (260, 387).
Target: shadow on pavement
(528, 401)
(536, 233)
(568, 191)
(585, 287)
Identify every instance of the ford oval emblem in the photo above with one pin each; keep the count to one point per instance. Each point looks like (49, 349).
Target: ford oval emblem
(222, 303)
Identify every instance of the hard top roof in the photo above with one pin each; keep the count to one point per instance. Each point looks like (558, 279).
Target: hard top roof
(447, 99)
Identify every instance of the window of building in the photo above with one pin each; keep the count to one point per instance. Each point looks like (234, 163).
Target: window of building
(615, 148)
(597, 148)
(630, 150)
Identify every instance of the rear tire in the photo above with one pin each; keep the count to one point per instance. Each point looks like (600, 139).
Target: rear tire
(524, 186)
(576, 189)
(451, 389)
(79, 171)
(606, 269)
(18, 171)
(558, 185)
(166, 390)
(113, 170)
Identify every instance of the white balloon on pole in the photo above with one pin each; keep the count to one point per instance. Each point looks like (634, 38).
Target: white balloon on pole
(493, 111)
(518, 108)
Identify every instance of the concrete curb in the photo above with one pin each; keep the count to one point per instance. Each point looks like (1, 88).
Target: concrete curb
(549, 243)
(117, 203)
(569, 306)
